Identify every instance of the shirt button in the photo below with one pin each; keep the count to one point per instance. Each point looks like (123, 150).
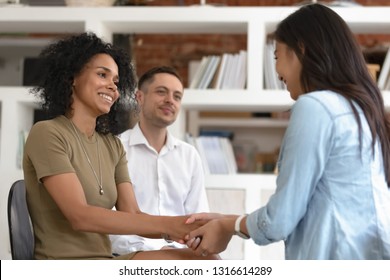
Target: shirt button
(263, 223)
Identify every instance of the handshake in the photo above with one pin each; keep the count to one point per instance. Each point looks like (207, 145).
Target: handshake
(208, 233)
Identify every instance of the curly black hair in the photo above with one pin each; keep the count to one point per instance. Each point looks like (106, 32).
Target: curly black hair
(64, 59)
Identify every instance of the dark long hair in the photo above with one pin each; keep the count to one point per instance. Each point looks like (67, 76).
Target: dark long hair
(65, 59)
(332, 60)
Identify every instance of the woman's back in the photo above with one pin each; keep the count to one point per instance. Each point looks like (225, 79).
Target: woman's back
(347, 215)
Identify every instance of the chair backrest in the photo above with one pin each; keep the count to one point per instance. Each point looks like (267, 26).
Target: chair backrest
(20, 229)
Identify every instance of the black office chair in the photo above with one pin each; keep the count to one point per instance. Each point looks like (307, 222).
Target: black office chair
(20, 228)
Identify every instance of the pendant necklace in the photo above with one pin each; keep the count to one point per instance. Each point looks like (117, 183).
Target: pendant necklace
(100, 183)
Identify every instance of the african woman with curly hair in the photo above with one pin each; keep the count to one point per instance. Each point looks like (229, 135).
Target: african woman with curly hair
(75, 167)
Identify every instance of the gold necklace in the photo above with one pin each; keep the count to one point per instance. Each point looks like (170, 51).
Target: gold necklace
(100, 183)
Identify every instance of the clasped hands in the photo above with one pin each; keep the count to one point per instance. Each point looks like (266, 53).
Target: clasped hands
(211, 233)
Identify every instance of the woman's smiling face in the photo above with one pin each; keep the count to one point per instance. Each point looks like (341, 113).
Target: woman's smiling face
(95, 88)
(288, 68)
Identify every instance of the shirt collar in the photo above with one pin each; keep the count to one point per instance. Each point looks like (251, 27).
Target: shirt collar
(137, 138)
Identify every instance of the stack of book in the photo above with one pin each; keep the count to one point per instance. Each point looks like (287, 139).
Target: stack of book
(227, 71)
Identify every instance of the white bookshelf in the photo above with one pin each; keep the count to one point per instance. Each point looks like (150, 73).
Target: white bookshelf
(16, 105)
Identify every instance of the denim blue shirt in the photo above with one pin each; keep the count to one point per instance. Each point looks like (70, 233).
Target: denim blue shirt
(331, 200)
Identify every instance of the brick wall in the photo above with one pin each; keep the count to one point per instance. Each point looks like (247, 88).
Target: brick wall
(178, 50)
(149, 50)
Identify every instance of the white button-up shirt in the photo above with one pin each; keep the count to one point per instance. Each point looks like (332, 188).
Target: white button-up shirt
(168, 183)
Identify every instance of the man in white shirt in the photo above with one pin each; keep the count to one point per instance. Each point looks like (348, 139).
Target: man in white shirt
(166, 173)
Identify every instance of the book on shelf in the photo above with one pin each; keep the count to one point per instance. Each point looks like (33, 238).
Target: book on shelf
(212, 65)
(196, 143)
(199, 73)
(226, 71)
(229, 156)
(236, 71)
(205, 72)
(384, 74)
(271, 79)
(267, 64)
(242, 69)
(221, 72)
(230, 74)
(216, 153)
(226, 75)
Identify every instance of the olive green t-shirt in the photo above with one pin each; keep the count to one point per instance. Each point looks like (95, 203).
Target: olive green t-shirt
(52, 148)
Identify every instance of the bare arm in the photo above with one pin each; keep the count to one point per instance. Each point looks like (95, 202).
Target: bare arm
(67, 192)
(127, 202)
